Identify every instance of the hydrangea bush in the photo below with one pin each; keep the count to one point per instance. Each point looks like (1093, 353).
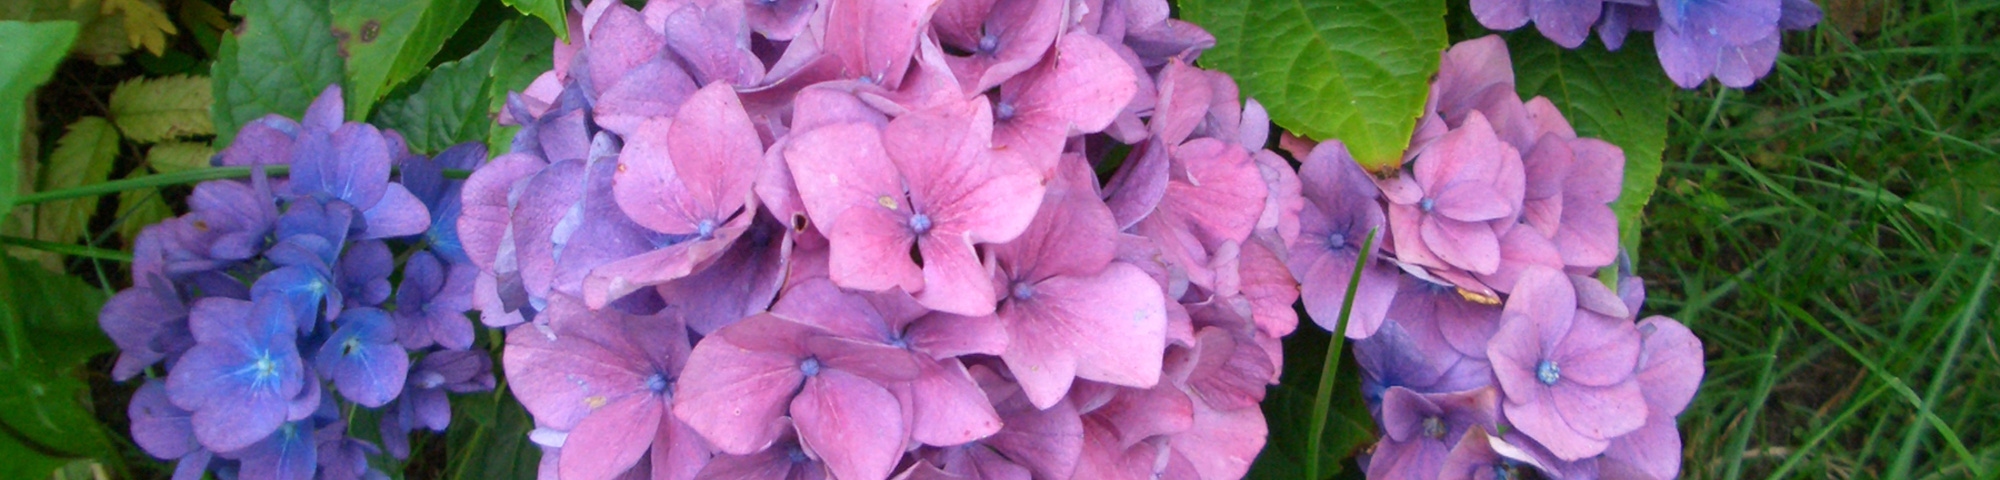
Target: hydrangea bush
(264, 317)
(866, 239)
(857, 239)
(1734, 41)
(1488, 345)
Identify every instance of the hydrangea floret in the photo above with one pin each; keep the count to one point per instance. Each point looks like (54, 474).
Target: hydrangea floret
(1733, 41)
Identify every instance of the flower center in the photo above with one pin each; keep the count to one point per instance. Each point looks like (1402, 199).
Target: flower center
(989, 43)
(657, 383)
(1434, 427)
(1003, 111)
(810, 366)
(1023, 291)
(920, 223)
(265, 367)
(1548, 372)
(350, 346)
(796, 454)
(706, 229)
(1426, 205)
(1337, 240)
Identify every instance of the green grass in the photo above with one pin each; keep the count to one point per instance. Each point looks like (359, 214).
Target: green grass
(1830, 235)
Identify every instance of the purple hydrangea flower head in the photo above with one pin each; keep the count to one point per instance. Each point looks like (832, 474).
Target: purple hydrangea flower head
(1567, 373)
(1340, 213)
(1420, 429)
(956, 197)
(240, 377)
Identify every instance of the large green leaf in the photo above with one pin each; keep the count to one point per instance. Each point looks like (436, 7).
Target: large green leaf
(552, 12)
(1616, 96)
(450, 105)
(33, 50)
(49, 322)
(524, 56)
(280, 58)
(389, 41)
(1353, 70)
(84, 155)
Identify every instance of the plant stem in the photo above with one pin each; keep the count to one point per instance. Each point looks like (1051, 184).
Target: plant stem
(1322, 400)
(67, 249)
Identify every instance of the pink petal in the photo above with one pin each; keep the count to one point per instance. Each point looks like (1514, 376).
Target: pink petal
(1471, 202)
(949, 408)
(874, 39)
(1471, 246)
(1539, 419)
(1599, 412)
(1108, 327)
(845, 418)
(1221, 444)
(653, 90)
(944, 335)
(841, 166)
(611, 439)
(1184, 99)
(614, 280)
(871, 250)
(715, 148)
(942, 152)
(1671, 368)
(1598, 351)
(735, 397)
(954, 279)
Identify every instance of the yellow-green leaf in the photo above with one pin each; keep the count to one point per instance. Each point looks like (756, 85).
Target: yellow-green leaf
(84, 155)
(151, 110)
(145, 25)
(173, 157)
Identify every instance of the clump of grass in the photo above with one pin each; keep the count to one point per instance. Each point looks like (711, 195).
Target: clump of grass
(1830, 235)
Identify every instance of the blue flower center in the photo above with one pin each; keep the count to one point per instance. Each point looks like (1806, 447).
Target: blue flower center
(1548, 372)
(657, 383)
(899, 341)
(706, 229)
(265, 368)
(989, 44)
(1023, 291)
(1434, 427)
(810, 366)
(1337, 240)
(1426, 205)
(920, 223)
(796, 454)
(1003, 111)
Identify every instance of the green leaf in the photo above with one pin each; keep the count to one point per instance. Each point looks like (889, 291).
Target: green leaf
(554, 13)
(488, 438)
(33, 50)
(387, 42)
(280, 58)
(163, 108)
(173, 157)
(1619, 97)
(525, 56)
(83, 156)
(449, 106)
(50, 325)
(26, 461)
(138, 209)
(1354, 70)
